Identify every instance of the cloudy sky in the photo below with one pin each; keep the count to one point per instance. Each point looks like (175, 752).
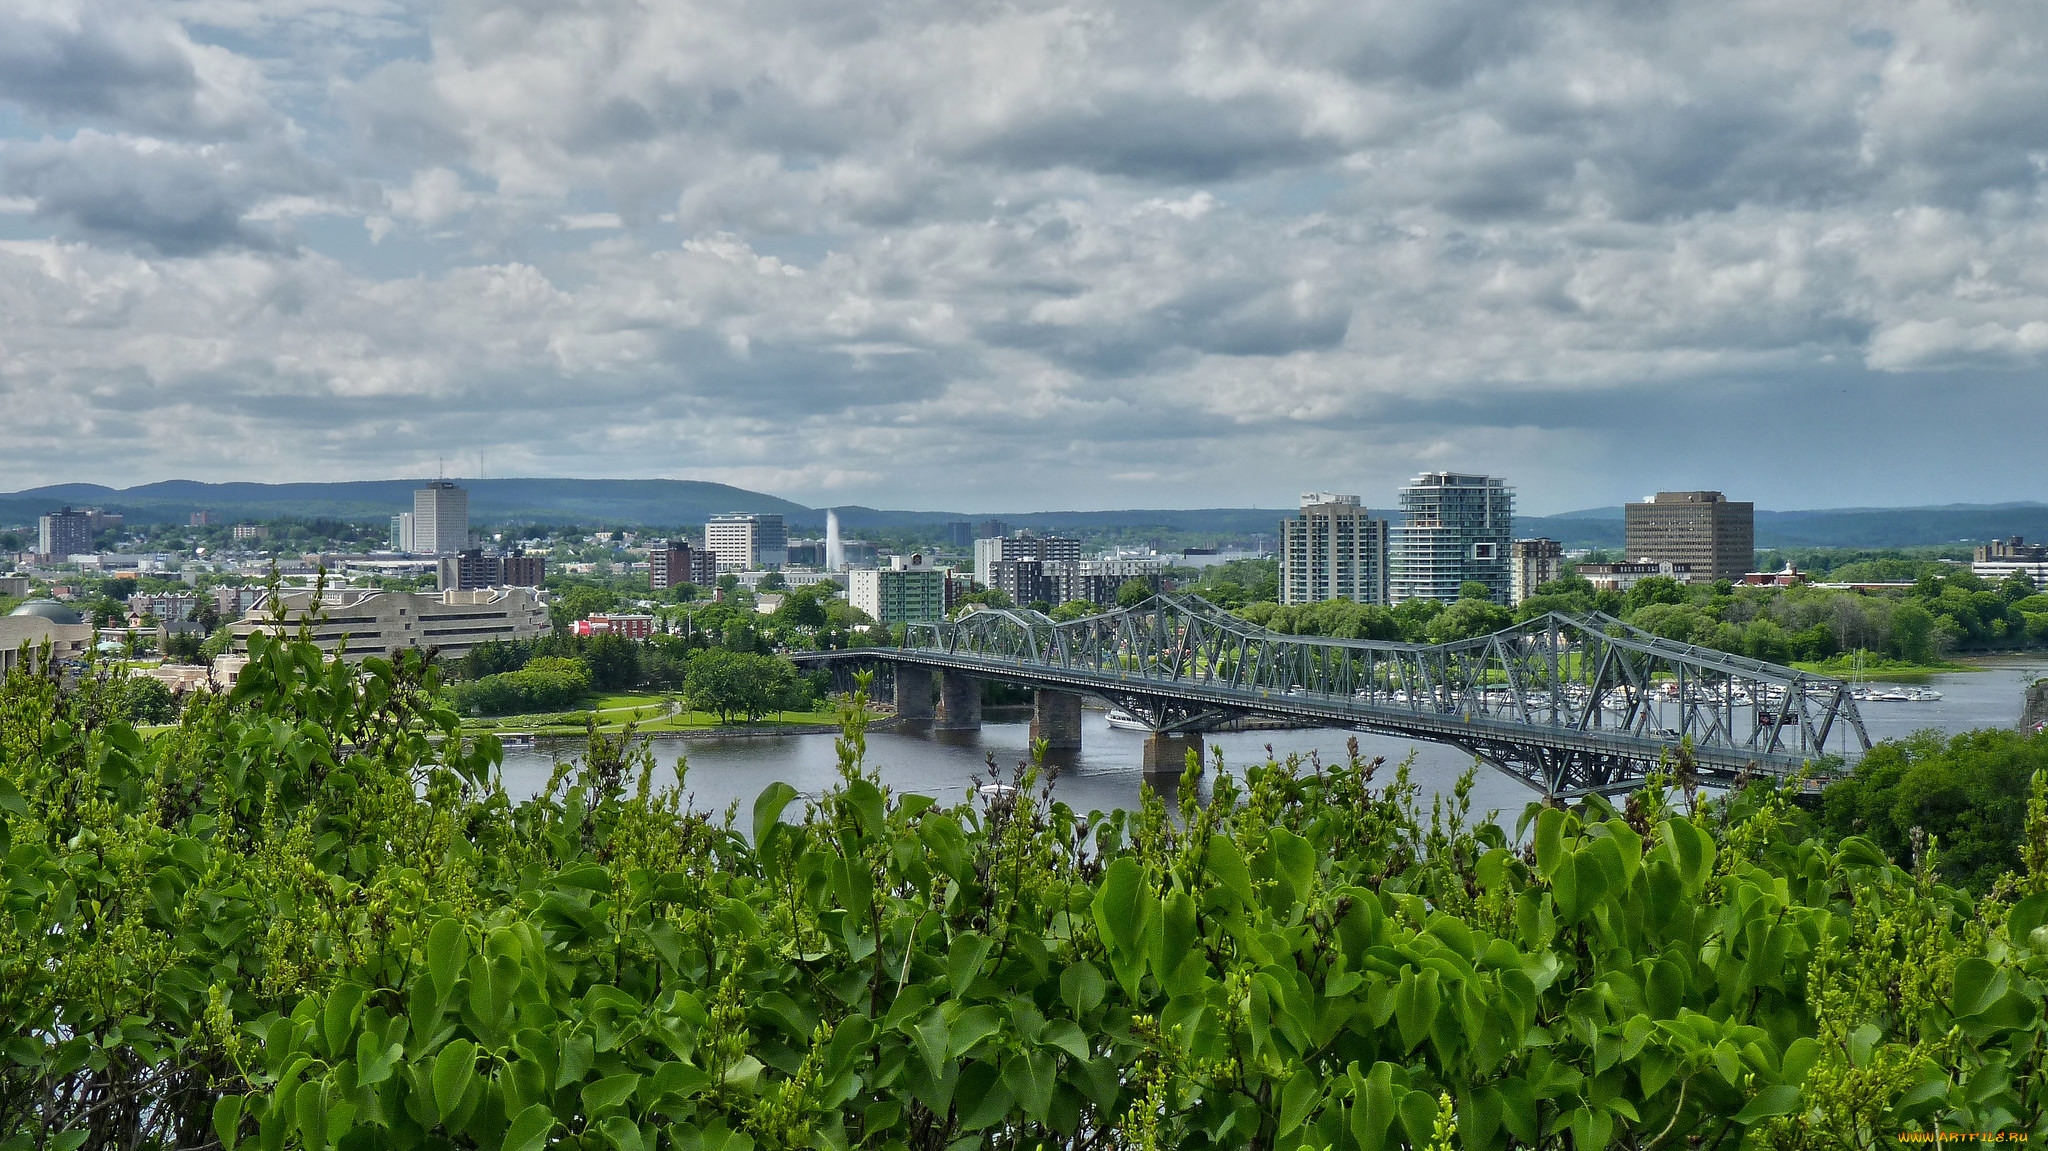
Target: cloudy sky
(981, 255)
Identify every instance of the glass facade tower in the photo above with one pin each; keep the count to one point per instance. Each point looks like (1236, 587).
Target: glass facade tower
(1455, 529)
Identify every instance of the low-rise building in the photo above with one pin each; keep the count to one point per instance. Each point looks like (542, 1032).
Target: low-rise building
(251, 532)
(1621, 577)
(39, 622)
(372, 622)
(14, 586)
(1789, 577)
(630, 625)
(2000, 559)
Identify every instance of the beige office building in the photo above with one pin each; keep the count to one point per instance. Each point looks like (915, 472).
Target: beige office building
(1712, 535)
(374, 622)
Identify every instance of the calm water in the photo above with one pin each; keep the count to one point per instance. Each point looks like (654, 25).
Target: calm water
(1107, 771)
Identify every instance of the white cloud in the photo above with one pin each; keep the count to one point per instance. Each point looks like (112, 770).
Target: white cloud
(1230, 247)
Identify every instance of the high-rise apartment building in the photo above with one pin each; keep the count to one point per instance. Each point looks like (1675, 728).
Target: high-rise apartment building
(911, 589)
(64, 533)
(991, 529)
(672, 563)
(1455, 530)
(748, 541)
(960, 534)
(401, 532)
(1331, 550)
(1531, 564)
(1712, 534)
(440, 519)
(1028, 568)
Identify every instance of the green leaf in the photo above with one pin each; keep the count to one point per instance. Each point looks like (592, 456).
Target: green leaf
(1081, 986)
(1030, 1076)
(1770, 1101)
(768, 811)
(622, 1133)
(530, 1129)
(1067, 1036)
(1417, 1110)
(454, 1071)
(970, 950)
(447, 947)
(227, 1120)
(1691, 849)
(1549, 840)
(609, 1092)
(1118, 906)
(2030, 913)
(1226, 864)
(930, 1040)
(1416, 1000)
(974, 1025)
(1298, 1098)
(1978, 986)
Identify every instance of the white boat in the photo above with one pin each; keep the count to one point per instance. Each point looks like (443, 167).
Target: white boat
(1124, 721)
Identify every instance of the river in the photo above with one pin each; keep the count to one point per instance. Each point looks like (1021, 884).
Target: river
(1106, 773)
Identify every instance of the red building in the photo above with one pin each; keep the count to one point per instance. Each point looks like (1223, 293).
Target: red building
(613, 623)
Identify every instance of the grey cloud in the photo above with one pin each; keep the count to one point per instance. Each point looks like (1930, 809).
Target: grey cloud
(123, 63)
(173, 198)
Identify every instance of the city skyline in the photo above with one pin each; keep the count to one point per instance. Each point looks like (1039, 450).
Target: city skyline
(1113, 255)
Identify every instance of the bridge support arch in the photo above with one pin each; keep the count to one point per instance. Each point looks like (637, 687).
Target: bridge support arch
(959, 701)
(1056, 719)
(913, 691)
(1166, 752)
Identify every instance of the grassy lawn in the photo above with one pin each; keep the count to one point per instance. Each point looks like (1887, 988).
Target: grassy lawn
(1897, 670)
(648, 711)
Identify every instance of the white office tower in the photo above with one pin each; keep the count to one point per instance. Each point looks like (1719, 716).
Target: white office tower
(835, 552)
(1455, 529)
(440, 519)
(1333, 549)
(747, 541)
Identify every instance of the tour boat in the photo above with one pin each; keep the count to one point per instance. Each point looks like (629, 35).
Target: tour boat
(1124, 721)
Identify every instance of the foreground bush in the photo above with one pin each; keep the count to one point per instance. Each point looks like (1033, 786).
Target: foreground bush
(308, 917)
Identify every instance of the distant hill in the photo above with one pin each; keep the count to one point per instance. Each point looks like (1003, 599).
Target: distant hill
(677, 503)
(594, 502)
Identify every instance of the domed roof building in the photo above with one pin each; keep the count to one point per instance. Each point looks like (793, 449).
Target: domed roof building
(51, 610)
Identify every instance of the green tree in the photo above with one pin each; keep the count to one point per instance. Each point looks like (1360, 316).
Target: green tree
(1133, 592)
(1073, 609)
(1473, 589)
(732, 683)
(1467, 619)
(145, 700)
(1655, 589)
(1912, 634)
(614, 662)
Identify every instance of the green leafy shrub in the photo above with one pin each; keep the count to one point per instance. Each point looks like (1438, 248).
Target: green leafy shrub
(309, 917)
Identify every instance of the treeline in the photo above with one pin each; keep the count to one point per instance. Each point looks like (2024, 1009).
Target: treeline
(311, 918)
(1938, 616)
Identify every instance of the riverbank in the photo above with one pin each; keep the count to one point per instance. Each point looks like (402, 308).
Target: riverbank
(1888, 670)
(650, 714)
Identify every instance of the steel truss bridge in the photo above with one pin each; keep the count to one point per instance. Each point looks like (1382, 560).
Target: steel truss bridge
(1569, 704)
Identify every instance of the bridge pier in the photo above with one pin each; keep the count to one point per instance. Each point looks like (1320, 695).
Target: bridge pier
(1056, 719)
(1166, 752)
(913, 691)
(959, 701)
